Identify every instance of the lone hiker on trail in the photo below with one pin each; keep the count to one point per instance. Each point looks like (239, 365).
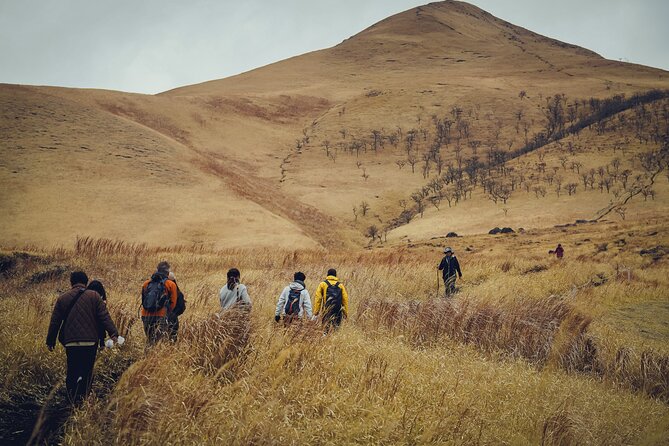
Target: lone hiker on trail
(234, 293)
(331, 301)
(294, 301)
(450, 266)
(559, 251)
(75, 320)
(159, 298)
(173, 317)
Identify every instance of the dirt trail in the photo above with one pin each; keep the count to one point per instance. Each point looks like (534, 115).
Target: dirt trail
(315, 224)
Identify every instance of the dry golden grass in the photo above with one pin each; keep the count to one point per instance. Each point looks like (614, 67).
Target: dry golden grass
(517, 357)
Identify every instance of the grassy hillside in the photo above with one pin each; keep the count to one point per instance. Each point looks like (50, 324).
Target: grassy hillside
(288, 151)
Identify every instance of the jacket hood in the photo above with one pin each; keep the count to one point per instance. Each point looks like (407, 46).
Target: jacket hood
(297, 285)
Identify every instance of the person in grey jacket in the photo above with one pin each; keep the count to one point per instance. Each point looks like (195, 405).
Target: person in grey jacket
(294, 301)
(234, 293)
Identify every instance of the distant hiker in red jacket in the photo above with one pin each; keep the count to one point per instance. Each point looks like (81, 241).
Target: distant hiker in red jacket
(559, 251)
(75, 321)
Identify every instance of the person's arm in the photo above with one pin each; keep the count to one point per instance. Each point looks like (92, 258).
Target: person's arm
(306, 304)
(344, 300)
(244, 295)
(442, 264)
(105, 319)
(54, 325)
(317, 301)
(457, 268)
(280, 305)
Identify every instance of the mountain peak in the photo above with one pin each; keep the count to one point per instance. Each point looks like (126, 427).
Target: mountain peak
(458, 26)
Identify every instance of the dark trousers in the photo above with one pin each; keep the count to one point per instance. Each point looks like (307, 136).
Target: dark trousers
(173, 328)
(449, 284)
(155, 328)
(80, 361)
(332, 321)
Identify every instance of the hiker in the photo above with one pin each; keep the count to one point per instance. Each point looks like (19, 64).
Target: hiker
(331, 301)
(173, 316)
(294, 301)
(234, 293)
(559, 251)
(74, 321)
(99, 288)
(159, 298)
(450, 266)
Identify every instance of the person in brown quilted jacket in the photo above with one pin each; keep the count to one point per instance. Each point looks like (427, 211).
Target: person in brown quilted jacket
(77, 316)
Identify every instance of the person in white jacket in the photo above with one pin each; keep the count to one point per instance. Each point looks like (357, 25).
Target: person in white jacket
(234, 293)
(294, 301)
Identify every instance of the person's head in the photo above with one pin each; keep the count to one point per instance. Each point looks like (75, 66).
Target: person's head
(332, 272)
(97, 286)
(233, 277)
(299, 276)
(559, 245)
(448, 251)
(163, 268)
(78, 278)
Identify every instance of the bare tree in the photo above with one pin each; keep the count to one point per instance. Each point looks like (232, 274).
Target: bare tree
(326, 146)
(412, 160)
(372, 232)
(355, 213)
(563, 160)
(400, 163)
(364, 208)
(571, 188)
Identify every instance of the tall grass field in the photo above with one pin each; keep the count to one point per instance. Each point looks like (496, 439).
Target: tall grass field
(531, 350)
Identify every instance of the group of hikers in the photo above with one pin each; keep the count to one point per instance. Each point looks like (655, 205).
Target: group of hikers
(80, 319)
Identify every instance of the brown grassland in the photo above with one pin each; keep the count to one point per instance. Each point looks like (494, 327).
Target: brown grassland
(361, 157)
(531, 350)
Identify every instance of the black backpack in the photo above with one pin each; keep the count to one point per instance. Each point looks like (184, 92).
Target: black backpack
(293, 302)
(333, 297)
(154, 296)
(181, 303)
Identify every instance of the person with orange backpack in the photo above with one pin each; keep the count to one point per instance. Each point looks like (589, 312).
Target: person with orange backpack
(294, 301)
(159, 298)
(331, 301)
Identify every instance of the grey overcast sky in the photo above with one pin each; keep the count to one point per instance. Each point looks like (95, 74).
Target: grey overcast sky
(149, 46)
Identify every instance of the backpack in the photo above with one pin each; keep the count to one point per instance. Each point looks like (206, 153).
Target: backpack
(333, 298)
(180, 307)
(293, 302)
(154, 296)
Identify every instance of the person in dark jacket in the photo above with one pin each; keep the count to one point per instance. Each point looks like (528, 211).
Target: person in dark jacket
(559, 251)
(99, 288)
(155, 321)
(173, 316)
(450, 267)
(76, 318)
